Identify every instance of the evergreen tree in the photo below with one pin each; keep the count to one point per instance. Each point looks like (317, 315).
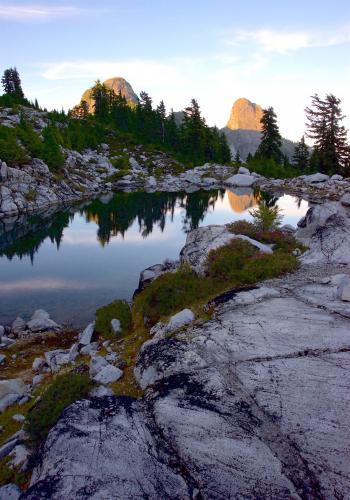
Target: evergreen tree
(193, 132)
(249, 157)
(80, 111)
(301, 156)
(51, 152)
(11, 83)
(271, 141)
(172, 132)
(237, 158)
(225, 152)
(102, 99)
(324, 126)
(161, 115)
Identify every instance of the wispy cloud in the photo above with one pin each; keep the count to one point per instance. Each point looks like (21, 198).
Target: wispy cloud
(38, 12)
(286, 41)
(151, 71)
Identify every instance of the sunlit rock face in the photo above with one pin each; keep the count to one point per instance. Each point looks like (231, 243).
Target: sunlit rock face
(243, 129)
(118, 85)
(245, 115)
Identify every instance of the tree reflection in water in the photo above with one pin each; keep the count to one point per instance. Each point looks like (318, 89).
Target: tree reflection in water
(114, 214)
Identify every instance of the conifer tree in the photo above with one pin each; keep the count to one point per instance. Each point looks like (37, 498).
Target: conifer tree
(161, 115)
(11, 83)
(237, 158)
(271, 140)
(193, 132)
(331, 148)
(225, 152)
(301, 156)
(101, 96)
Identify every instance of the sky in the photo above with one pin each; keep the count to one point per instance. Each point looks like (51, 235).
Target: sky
(275, 53)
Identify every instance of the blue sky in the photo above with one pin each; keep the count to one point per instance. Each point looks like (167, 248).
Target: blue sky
(272, 52)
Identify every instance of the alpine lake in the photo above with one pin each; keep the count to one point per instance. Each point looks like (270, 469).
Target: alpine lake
(74, 260)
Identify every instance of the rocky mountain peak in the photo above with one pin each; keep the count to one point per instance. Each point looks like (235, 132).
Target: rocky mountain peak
(118, 84)
(245, 115)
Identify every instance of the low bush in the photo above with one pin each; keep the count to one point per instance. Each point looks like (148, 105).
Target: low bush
(275, 237)
(118, 309)
(122, 163)
(11, 150)
(64, 390)
(171, 292)
(237, 264)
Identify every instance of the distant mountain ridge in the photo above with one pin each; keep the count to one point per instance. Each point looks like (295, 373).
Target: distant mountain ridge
(243, 129)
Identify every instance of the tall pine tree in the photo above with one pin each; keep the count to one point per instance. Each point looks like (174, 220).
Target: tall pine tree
(331, 148)
(271, 140)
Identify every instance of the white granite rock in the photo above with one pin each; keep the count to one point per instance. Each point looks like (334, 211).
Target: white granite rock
(86, 335)
(116, 326)
(108, 374)
(241, 180)
(41, 321)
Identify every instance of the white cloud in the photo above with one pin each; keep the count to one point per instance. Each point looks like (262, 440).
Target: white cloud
(150, 71)
(40, 12)
(283, 41)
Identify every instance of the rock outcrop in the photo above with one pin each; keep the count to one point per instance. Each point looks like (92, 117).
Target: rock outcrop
(118, 85)
(243, 129)
(252, 403)
(245, 115)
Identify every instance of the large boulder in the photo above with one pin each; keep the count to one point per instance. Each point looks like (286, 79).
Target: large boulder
(201, 241)
(41, 321)
(241, 180)
(326, 230)
(316, 178)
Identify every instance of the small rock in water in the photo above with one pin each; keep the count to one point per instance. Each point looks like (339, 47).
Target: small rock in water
(2, 358)
(116, 326)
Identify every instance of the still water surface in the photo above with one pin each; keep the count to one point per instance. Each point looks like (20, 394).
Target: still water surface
(78, 260)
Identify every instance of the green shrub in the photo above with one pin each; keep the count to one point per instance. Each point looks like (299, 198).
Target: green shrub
(275, 237)
(11, 150)
(122, 163)
(170, 293)
(118, 309)
(64, 390)
(51, 151)
(11, 474)
(31, 195)
(266, 218)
